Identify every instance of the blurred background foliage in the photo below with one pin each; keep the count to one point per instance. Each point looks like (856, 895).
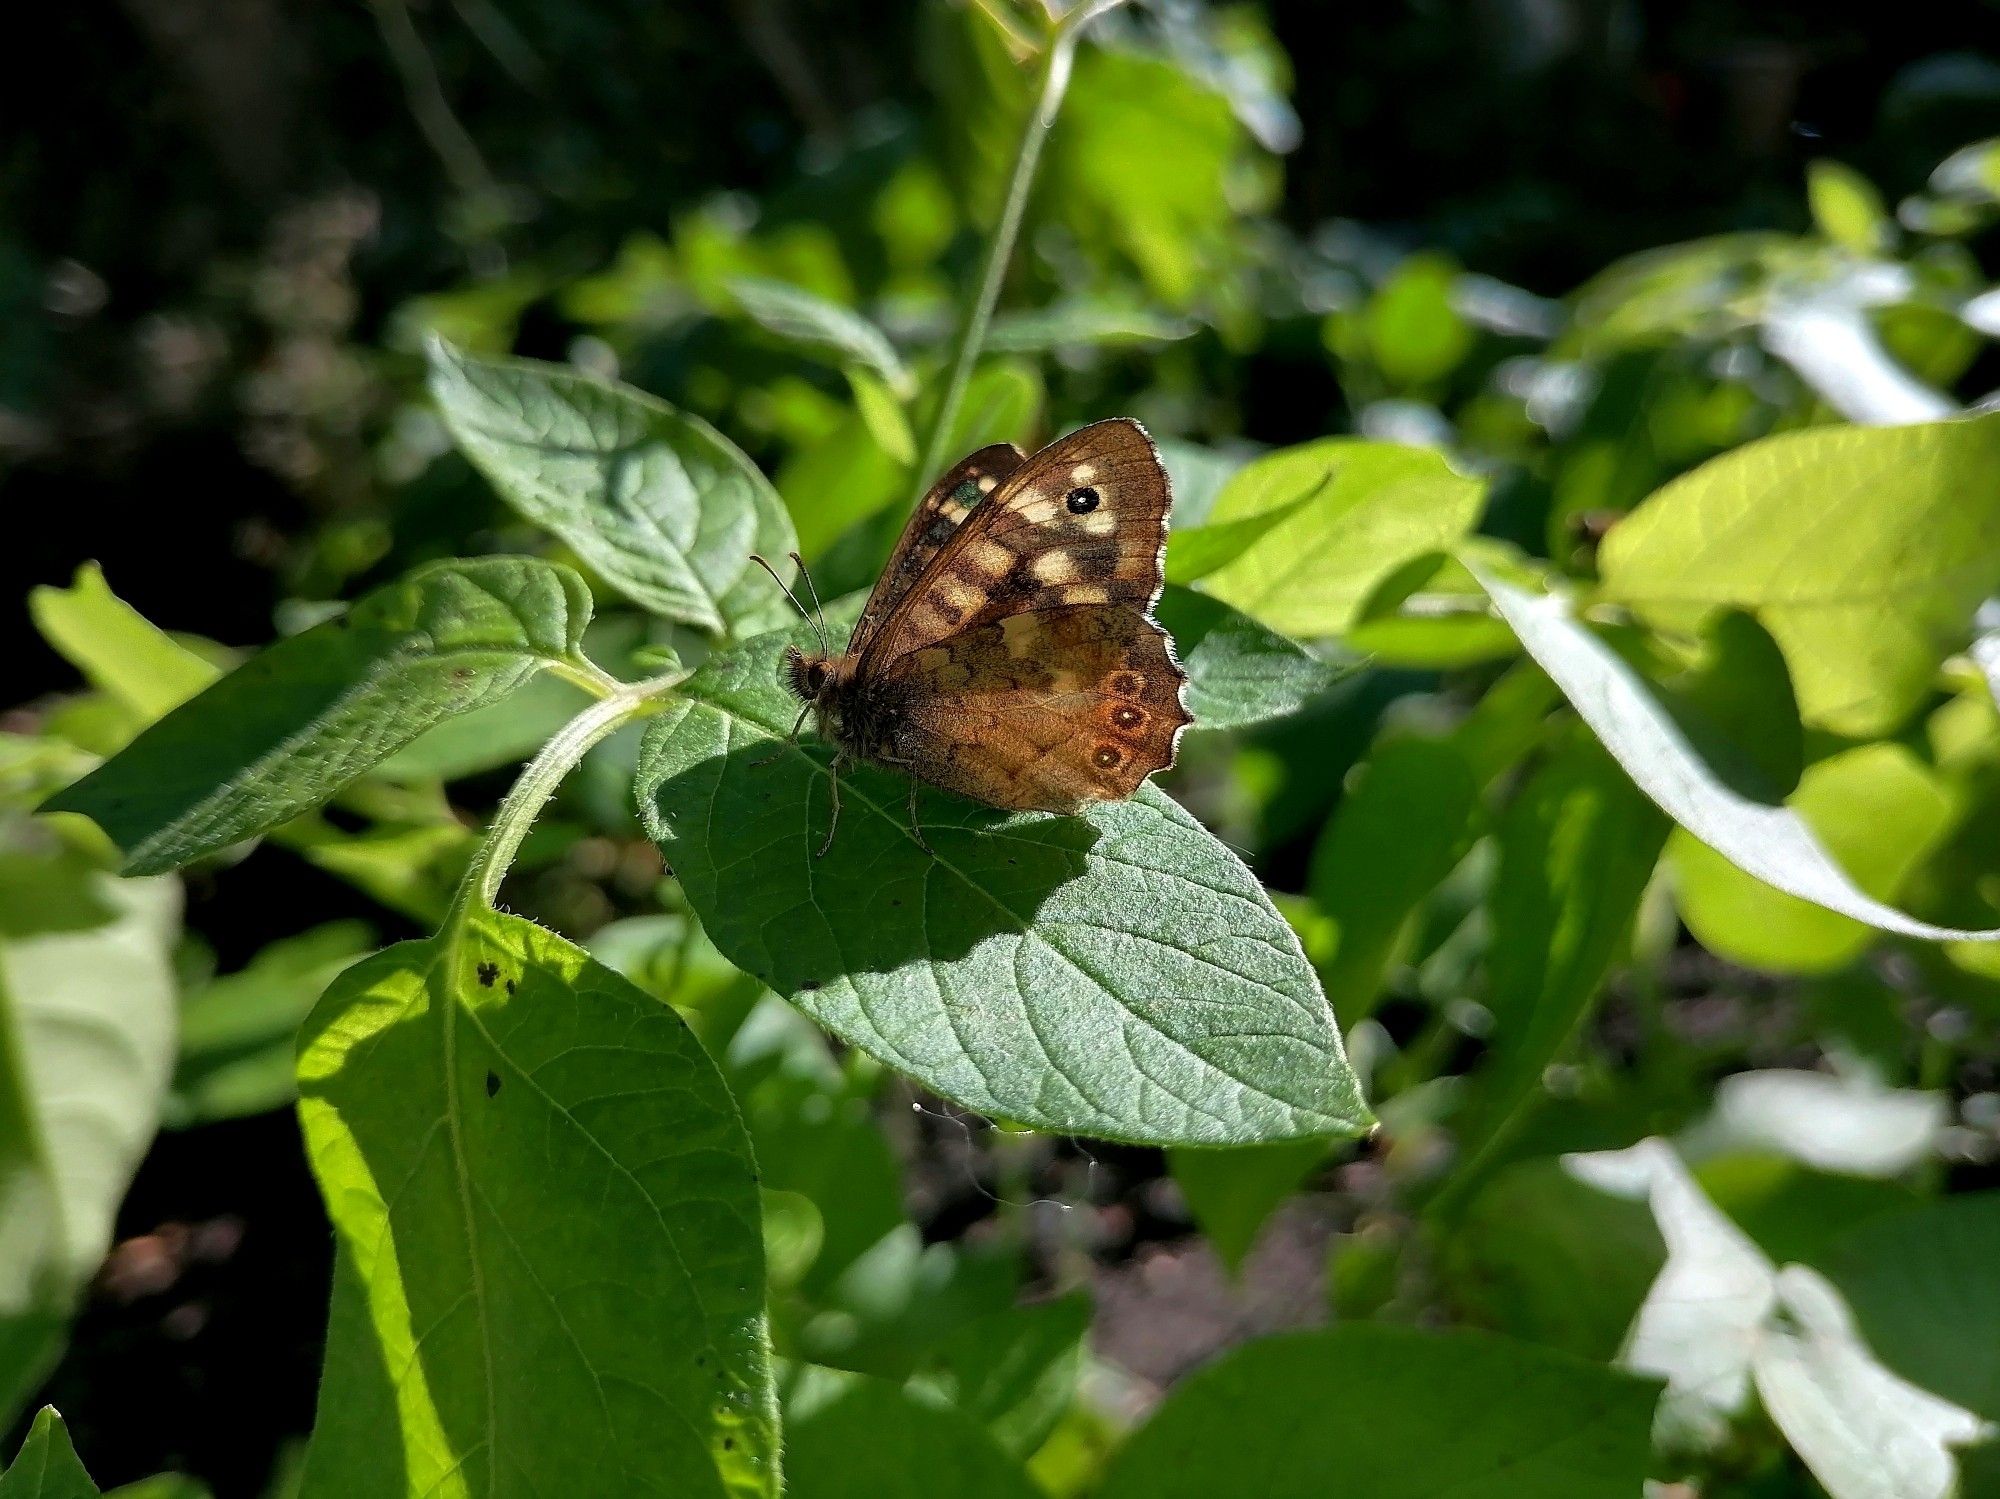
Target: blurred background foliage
(1580, 245)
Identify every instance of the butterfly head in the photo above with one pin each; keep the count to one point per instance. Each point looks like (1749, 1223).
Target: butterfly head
(812, 676)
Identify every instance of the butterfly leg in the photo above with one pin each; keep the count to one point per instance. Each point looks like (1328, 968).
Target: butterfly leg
(916, 831)
(790, 740)
(833, 785)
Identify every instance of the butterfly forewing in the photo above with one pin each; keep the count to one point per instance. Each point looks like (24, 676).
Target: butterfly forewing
(1043, 710)
(1082, 522)
(938, 515)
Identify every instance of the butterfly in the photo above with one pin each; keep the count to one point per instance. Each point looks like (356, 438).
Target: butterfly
(1008, 652)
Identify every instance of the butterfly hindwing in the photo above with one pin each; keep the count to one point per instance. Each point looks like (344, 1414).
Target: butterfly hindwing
(938, 515)
(1043, 710)
(1082, 522)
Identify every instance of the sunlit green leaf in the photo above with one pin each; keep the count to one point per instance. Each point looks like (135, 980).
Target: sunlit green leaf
(1378, 1412)
(849, 476)
(86, 1046)
(1876, 809)
(1846, 207)
(1415, 335)
(287, 729)
(117, 648)
(1368, 509)
(660, 504)
(1863, 550)
(1117, 973)
(46, 1467)
(549, 1272)
(1767, 840)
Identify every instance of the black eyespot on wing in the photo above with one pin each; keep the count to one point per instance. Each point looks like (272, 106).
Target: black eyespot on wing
(1082, 501)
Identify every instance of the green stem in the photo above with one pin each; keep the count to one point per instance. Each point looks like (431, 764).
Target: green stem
(556, 759)
(1056, 65)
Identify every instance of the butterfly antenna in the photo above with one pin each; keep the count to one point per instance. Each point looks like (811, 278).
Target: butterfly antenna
(819, 627)
(825, 640)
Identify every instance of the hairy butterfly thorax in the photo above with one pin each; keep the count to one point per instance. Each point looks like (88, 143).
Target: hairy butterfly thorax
(1008, 652)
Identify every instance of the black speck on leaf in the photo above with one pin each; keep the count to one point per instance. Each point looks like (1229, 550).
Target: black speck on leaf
(488, 972)
(510, 986)
(492, 1083)
(809, 985)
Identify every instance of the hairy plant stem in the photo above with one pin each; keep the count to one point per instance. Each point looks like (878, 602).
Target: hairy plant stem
(556, 759)
(1057, 62)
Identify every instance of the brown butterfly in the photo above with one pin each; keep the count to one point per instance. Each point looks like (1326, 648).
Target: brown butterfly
(1009, 651)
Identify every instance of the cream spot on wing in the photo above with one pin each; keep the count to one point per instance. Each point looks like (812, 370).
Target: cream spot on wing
(1097, 523)
(1054, 567)
(987, 483)
(1086, 593)
(1083, 473)
(956, 592)
(989, 556)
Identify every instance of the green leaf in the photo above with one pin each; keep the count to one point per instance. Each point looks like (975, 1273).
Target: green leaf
(1877, 810)
(238, 1033)
(1863, 550)
(1379, 1412)
(1577, 845)
(1405, 822)
(1433, 614)
(1196, 551)
(1415, 335)
(46, 1467)
(659, 503)
(1083, 322)
(1926, 1292)
(1015, 1371)
(287, 729)
(86, 1044)
(861, 1438)
(1769, 841)
(849, 476)
(812, 322)
(1118, 973)
(1537, 1254)
(117, 648)
(1358, 510)
(1232, 1192)
(503, 733)
(884, 416)
(549, 1276)
(1239, 673)
(1846, 207)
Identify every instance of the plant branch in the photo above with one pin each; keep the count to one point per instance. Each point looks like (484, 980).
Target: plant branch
(556, 759)
(1056, 66)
